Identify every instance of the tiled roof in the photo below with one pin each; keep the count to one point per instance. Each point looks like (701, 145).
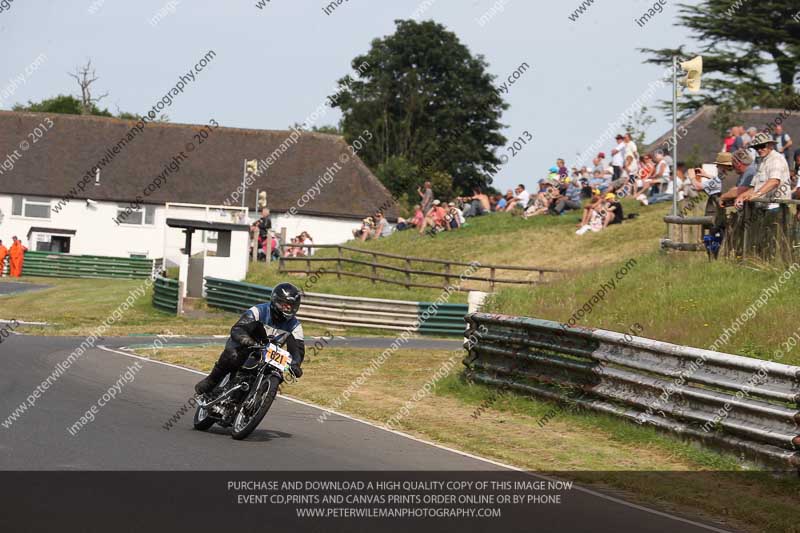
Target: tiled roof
(213, 170)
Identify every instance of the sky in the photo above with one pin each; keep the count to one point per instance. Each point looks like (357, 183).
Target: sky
(276, 64)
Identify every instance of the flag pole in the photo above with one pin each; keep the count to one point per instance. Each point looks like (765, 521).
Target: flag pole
(675, 135)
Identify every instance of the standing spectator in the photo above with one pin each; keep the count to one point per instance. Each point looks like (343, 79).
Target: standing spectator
(17, 254)
(427, 197)
(307, 241)
(264, 226)
(520, 200)
(630, 147)
(772, 174)
(562, 168)
(782, 143)
(727, 143)
(3, 254)
(738, 140)
(618, 157)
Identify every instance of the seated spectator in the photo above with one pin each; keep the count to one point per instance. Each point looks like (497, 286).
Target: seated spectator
(540, 205)
(367, 225)
(568, 200)
(599, 181)
(435, 219)
(594, 215)
(415, 222)
(381, 228)
(454, 218)
(520, 200)
(613, 210)
(478, 203)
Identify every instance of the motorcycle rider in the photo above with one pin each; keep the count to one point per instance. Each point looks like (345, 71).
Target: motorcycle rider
(279, 321)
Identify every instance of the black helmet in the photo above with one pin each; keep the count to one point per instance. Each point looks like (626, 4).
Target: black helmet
(285, 301)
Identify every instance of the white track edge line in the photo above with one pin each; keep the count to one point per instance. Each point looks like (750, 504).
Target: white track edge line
(452, 450)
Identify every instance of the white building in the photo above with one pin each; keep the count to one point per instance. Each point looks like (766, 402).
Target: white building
(100, 186)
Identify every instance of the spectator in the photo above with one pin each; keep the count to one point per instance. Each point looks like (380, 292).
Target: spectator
(782, 143)
(613, 210)
(365, 229)
(727, 143)
(598, 163)
(661, 174)
(772, 174)
(618, 157)
(308, 242)
(630, 147)
(3, 254)
(381, 228)
(598, 181)
(453, 218)
(435, 219)
(415, 222)
(427, 197)
(745, 167)
(569, 200)
(540, 205)
(264, 226)
(738, 140)
(17, 257)
(593, 215)
(520, 200)
(502, 201)
(561, 168)
(478, 203)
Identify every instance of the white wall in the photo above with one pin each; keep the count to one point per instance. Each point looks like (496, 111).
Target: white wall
(98, 234)
(323, 230)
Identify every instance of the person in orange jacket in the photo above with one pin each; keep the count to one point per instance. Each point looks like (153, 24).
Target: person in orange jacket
(17, 254)
(3, 254)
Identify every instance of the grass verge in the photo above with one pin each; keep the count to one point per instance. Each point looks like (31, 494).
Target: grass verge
(618, 458)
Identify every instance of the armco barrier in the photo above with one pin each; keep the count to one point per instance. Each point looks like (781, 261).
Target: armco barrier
(731, 401)
(166, 295)
(445, 319)
(55, 265)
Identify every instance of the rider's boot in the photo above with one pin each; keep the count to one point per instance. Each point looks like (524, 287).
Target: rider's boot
(208, 383)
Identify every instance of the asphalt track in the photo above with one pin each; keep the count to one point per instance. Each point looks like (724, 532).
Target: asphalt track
(128, 433)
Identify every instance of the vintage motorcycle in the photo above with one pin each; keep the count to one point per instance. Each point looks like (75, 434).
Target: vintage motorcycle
(241, 402)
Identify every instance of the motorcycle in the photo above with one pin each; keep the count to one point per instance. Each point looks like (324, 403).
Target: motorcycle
(241, 402)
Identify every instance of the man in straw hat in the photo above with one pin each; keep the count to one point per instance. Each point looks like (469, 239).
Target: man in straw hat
(772, 175)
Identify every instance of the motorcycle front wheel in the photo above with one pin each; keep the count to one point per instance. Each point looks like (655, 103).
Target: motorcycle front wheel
(254, 408)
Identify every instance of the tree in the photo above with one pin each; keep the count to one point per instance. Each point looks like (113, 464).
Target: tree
(329, 128)
(425, 98)
(739, 42)
(637, 125)
(86, 76)
(68, 105)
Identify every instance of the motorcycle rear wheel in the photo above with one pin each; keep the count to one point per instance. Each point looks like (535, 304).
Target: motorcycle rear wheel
(244, 424)
(202, 418)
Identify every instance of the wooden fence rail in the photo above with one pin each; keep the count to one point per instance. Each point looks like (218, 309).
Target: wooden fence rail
(752, 232)
(286, 265)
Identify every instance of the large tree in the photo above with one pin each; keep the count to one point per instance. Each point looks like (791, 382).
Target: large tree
(430, 104)
(750, 49)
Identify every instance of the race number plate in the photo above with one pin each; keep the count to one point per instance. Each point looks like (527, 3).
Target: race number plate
(277, 357)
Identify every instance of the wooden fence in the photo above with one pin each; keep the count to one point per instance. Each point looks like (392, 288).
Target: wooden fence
(450, 270)
(753, 232)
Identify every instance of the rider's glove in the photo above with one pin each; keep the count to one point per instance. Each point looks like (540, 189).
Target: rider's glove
(297, 371)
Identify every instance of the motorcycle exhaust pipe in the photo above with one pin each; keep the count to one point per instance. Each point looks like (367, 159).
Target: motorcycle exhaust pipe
(240, 386)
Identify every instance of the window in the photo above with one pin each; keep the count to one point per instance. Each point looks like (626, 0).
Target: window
(137, 217)
(31, 207)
